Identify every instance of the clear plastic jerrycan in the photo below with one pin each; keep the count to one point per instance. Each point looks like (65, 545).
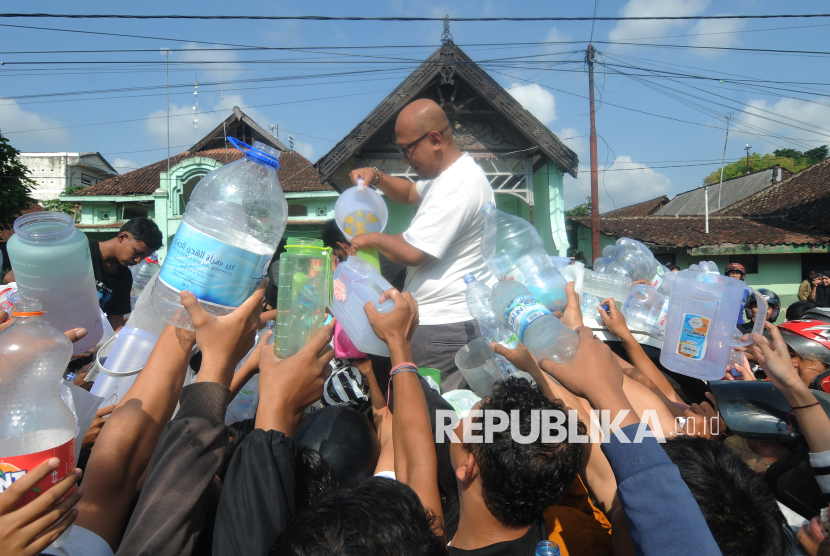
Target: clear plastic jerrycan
(700, 323)
(631, 258)
(646, 309)
(355, 283)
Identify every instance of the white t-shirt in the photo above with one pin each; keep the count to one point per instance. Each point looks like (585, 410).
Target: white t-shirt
(448, 226)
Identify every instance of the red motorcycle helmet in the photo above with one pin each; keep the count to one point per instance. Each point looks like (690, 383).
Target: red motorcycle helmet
(735, 266)
(810, 339)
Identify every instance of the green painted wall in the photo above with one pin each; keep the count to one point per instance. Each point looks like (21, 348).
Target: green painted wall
(583, 238)
(399, 216)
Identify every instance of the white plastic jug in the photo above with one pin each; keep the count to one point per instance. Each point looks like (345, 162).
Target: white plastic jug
(478, 367)
(360, 210)
(354, 283)
(129, 354)
(700, 323)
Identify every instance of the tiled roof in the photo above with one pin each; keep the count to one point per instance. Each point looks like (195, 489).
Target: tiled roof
(803, 199)
(6, 233)
(640, 209)
(297, 174)
(690, 231)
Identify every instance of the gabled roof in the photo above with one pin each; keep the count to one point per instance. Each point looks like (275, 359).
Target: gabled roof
(216, 138)
(730, 192)
(690, 231)
(804, 199)
(639, 209)
(297, 174)
(447, 64)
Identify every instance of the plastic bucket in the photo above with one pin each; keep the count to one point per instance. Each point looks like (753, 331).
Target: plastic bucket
(360, 210)
(477, 366)
(129, 354)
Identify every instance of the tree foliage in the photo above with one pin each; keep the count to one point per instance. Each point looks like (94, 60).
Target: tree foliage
(15, 187)
(580, 210)
(790, 159)
(72, 209)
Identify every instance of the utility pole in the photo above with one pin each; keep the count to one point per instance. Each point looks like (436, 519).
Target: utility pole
(166, 53)
(747, 158)
(729, 117)
(595, 244)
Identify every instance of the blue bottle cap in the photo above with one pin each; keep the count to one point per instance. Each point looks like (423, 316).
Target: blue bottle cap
(469, 277)
(488, 208)
(255, 154)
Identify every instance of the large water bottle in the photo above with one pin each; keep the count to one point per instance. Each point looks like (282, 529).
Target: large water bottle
(52, 265)
(645, 310)
(541, 332)
(493, 330)
(599, 284)
(629, 257)
(36, 424)
(231, 227)
(146, 270)
(513, 250)
(302, 294)
(244, 405)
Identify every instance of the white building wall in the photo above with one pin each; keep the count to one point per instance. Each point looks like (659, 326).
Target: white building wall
(54, 172)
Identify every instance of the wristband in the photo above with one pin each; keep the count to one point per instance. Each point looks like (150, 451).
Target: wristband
(406, 364)
(399, 368)
(788, 419)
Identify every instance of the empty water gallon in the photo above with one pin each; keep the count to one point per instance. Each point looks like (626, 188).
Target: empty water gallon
(700, 323)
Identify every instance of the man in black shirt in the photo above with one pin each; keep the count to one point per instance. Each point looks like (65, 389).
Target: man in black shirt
(137, 239)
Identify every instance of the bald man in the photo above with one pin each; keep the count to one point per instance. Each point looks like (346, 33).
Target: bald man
(443, 242)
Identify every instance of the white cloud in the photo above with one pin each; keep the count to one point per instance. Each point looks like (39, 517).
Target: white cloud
(304, 149)
(228, 68)
(123, 165)
(624, 184)
(575, 140)
(555, 35)
(15, 119)
(627, 30)
(538, 101)
(805, 115)
(716, 32)
(182, 133)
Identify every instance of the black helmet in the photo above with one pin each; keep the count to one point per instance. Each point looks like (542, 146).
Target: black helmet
(772, 301)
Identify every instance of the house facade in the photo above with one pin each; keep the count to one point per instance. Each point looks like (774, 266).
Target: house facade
(162, 195)
(523, 160)
(53, 173)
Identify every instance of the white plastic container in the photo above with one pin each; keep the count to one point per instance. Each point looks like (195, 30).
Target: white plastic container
(629, 257)
(646, 310)
(478, 367)
(700, 326)
(492, 329)
(130, 352)
(356, 282)
(602, 285)
(360, 210)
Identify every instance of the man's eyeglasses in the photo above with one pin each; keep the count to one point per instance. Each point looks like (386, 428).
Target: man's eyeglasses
(405, 149)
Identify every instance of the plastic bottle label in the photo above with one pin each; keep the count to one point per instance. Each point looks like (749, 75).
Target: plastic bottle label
(212, 270)
(13, 468)
(515, 274)
(693, 336)
(658, 314)
(522, 312)
(657, 280)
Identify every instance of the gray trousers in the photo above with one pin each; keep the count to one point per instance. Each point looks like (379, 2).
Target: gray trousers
(435, 346)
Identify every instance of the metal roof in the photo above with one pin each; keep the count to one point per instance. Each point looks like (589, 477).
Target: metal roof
(731, 191)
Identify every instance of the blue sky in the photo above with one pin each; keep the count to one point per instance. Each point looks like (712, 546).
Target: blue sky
(318, 96)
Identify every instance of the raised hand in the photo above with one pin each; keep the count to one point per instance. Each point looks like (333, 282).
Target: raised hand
(572, 315)
(97, 424)
(775, 358)
(613, 318)
(397, 325)
(30, 529)
(521, 358)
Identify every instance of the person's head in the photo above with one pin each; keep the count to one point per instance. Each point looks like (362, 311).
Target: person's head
(812, 275)
(138, 238)
(378, 516)
(424, 137)
(333, 237)
(674, 268)
(515, 482)
(825, 278)
(809, 350)
(739, 508)
(773, 305)
(735, 270)
(797, 309)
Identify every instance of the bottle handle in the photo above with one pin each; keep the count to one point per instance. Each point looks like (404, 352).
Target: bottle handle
(760, 318)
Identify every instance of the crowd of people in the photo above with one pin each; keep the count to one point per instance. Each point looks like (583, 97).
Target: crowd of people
(367, 457)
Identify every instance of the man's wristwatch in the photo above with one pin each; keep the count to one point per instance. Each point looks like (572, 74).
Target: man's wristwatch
(378, 176)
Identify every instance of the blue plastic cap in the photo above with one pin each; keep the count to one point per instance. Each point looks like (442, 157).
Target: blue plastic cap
(469, 277)
(488, 208)
(255, 154)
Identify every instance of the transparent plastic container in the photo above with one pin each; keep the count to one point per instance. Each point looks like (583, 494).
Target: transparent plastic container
(130, 351)
(629, 257)
(229, 231)
(360, 210)
(492, 329)
(355, 283)
(302, 294)
(700, 326)
(8, 297)
(146, 270)
(513, 250)
(541, 332)
(646, 310)
(589, 306)
(705, 266)
(478, 367)
(601, 285)
(36, 424)
(53, 266)
(244, 405)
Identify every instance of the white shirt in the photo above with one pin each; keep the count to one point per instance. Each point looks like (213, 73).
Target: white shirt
(448, 226)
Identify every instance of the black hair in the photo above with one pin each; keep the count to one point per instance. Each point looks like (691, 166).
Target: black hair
(673, 267)
(797, 309)
(739, 508)
(331, 235)
(144, 230)
(313, 477)
(519, 481)
(379, 516)
(825, 272)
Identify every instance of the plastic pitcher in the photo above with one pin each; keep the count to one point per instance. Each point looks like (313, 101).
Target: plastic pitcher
(361, 210)
(129, 354)
(355, 283)
(700, 323)
(477, 366)
(303, 291)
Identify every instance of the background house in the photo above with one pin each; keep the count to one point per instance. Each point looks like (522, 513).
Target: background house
(53, 173)
(162, 195)
(778, 233)
(523, 160)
